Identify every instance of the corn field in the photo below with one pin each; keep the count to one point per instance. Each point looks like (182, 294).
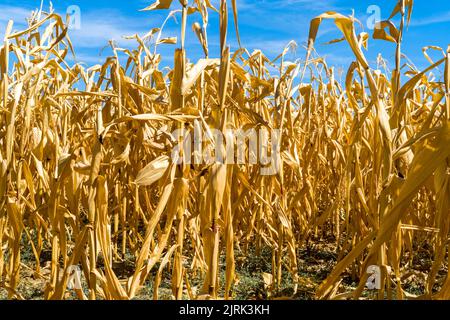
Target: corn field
(86, 169)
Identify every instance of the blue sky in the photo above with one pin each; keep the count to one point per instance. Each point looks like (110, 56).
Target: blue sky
(268, 24)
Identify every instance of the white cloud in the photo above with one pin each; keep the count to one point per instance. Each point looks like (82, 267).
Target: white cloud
(86, 58)
(441, 18)
(270, 47)
(291, 5)
(98, 27)
(13, 13)
(18, 15)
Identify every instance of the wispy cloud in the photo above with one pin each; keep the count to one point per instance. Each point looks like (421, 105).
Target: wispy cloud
(98, 27)
(10, 12)
(270, 47)
(17, 14)
(95, 35)
(441, 18)
(317, 5)
(89, 58)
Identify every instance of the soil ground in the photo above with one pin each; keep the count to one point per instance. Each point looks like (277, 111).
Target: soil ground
(315, 262)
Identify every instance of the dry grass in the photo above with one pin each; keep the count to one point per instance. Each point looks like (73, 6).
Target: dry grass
(86, 173)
